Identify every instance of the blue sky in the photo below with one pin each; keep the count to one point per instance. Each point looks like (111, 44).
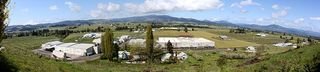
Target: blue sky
(300, 14)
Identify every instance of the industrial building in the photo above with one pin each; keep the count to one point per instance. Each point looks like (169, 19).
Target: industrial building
(186, 42)
(72, 50)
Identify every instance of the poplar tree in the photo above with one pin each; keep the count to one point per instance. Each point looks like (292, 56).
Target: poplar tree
(4, 14)
(149, 43)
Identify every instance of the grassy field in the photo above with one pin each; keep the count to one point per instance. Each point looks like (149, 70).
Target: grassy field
(19, 53)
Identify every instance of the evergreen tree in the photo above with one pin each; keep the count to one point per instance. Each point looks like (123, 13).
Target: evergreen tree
(291, 38)
(185, 29)
(4, 14)
(149, 43)
(107, 42)
(170, 47)
(115, 51)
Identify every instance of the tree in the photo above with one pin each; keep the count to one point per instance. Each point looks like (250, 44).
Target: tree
(298, 40)
(185, 29)
(286, 41)
(107, 44)
(115, 51)
(291, 38)
(170, 47)
(4, 14)
(149, 43)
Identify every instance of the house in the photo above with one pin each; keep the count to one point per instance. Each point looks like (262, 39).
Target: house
(92, 35)
(186, 42)
(224, 37)
(180, 56)
(251, 49)
(261, 34)
(283, 44)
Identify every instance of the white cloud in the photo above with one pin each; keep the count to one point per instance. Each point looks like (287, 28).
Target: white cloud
(103, 9)
(245, 3)
(156, 6)
(248, 2)
(31, 22)
(108, 7)
(299, 20)
(243, 11)
(53, 7)
(260, 19)
(275, 6)
(73, 7)
(315, 18)
(280, 13)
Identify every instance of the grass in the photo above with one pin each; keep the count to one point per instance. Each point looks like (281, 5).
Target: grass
(300, 60)
(18, 52)
(250, 37)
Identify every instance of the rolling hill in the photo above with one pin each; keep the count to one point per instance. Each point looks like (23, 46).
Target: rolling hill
(163, 18)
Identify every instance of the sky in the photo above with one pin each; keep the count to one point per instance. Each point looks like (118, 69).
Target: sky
(299, 14)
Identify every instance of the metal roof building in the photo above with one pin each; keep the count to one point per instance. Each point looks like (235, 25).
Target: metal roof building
(186, 42)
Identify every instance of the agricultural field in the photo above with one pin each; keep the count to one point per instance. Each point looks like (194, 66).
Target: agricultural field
(19, 53)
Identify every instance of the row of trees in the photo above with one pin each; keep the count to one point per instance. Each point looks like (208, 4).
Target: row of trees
(110, 50)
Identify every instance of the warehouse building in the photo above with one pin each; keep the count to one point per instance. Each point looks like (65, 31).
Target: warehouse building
(186, 42)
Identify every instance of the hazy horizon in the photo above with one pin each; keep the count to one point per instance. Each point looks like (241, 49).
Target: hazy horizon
(294, 14)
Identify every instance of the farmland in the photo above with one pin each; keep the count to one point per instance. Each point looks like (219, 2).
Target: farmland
(19, 54)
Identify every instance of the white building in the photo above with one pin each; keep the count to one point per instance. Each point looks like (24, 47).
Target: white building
(251, 49)
(50, 45)
(224, 37)
(92, 35)
(97, 41)
(261, 34)
(124, 38)
(137, 42)
(76, 49)
(283, 44)
(186, 42)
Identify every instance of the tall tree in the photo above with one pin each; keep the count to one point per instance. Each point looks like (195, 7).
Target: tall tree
(4, 14)
(149, 43)
(185, 29)
(170, 47)
(107, 44)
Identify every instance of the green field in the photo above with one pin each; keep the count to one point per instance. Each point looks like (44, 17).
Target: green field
(19, 55)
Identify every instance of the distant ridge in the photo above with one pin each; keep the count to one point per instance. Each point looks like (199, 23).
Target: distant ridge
(164, 18)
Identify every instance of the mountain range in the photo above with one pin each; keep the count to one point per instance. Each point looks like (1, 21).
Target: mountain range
(164, 18)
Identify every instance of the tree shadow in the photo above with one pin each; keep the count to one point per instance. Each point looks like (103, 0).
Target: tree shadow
(5, 65)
